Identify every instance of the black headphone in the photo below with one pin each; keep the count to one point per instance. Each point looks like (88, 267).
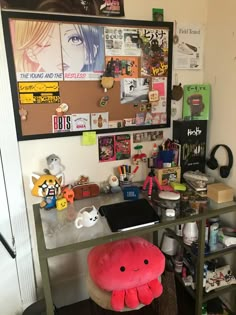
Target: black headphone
(213, 164)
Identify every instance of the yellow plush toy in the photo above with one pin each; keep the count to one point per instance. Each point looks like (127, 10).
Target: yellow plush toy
(46, 186)
(107, 82)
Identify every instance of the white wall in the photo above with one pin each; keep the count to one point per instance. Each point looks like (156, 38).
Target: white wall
(220, 72)
(79, 159)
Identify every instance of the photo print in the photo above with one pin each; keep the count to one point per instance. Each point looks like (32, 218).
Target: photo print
(134, 90)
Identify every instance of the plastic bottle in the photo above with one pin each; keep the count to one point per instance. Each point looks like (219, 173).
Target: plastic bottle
(214, 229)
(204, 309)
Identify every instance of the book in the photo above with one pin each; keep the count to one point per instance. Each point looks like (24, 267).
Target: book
(196, 101)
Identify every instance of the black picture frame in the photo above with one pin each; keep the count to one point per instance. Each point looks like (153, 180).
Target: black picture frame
(112, 22)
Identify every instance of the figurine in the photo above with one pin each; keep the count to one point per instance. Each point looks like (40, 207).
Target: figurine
(83, 180)
(47, 186)
(68, 193)
(54, 165)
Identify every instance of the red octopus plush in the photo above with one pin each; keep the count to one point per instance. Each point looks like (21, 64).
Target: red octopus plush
(129, 269)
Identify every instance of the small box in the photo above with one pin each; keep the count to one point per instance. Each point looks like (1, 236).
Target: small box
(220, 192)
(168, 174)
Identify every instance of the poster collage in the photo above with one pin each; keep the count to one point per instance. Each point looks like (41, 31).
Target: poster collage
(47, 52)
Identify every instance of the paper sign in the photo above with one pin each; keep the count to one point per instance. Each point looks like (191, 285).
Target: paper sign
(38, 92)
(89, 138)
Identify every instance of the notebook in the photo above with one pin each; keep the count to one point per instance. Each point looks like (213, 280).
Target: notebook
(129, 215)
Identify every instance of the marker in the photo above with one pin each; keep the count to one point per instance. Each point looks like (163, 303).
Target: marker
(120, 170)
(124, 170)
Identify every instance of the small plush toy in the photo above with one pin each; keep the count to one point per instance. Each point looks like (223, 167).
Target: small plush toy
(68, 193)
(129, 269)
(107, 82)
(54, 165)
(107, 79)
(46, 186)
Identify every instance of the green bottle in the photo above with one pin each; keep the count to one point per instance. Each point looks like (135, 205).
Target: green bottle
(204, 309)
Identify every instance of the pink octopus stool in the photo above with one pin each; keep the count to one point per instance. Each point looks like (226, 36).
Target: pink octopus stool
(124, 275)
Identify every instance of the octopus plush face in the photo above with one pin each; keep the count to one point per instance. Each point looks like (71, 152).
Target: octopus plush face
(129, 269)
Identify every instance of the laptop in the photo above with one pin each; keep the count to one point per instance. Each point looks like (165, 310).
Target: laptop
(124, 216)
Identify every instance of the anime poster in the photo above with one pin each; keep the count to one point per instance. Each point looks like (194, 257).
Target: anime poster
(134, 90)
(122, 67)
(111, 8)
(106, 148)
(154, 56)
(121, 41)
(122, 147)
(131, 42)
(87, 7)
(111, 148)
(114, 41)
(37, 50)
(188, 52)
(82, 51)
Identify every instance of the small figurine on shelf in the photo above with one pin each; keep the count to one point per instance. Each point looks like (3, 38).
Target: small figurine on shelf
(54, 165)
(83, 180)
(48, 187)
(114, 184)
(68, 193)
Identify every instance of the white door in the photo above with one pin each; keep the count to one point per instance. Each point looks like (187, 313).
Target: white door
(10, 299)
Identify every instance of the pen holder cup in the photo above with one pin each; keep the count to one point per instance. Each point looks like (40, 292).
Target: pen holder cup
(125, 183)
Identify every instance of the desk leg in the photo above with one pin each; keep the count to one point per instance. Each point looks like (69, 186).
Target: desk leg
(155, 238)
(200, 267)
(46, 286)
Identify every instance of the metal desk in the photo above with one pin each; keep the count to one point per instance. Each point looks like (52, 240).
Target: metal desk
(53, 219)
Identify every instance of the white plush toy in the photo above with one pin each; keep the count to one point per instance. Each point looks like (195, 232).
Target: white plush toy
(54, 165)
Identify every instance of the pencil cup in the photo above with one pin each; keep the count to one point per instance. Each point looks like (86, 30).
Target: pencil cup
(125, 183)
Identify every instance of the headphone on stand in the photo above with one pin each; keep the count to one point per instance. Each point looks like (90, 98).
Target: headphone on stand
(212, 163)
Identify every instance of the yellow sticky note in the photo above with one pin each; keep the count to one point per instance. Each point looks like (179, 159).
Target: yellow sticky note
(89, 138)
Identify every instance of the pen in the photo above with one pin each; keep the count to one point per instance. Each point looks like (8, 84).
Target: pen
(124, 170)
(129, 169)
(135, 170)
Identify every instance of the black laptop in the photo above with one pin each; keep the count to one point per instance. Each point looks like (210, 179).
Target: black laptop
(129, 215)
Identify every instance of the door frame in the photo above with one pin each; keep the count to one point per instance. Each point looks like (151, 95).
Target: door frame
(14, 184)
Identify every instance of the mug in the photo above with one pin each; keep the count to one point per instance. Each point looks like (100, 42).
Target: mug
(86, 217)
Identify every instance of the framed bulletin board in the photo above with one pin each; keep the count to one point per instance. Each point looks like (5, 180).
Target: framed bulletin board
(56, 63)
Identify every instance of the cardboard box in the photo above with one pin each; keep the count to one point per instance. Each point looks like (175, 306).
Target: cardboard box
(168, 174)
(191, 136)
(220, 192)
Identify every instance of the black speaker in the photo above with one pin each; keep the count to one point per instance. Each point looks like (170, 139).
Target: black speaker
(212, 162)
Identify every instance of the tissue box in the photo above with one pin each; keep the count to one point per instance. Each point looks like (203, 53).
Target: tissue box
(220, 192)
